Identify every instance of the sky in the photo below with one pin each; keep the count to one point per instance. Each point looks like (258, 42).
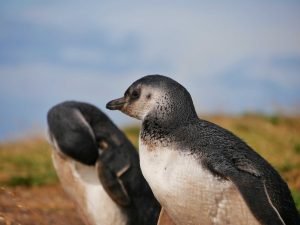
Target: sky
(232, 56)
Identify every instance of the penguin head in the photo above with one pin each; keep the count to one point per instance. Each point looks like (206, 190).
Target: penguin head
(80, 131)
(154, 95)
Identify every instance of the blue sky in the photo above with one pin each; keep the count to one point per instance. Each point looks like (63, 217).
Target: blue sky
(233, 56)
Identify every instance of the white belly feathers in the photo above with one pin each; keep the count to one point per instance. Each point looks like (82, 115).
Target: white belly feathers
(82, 185)
(190, 194)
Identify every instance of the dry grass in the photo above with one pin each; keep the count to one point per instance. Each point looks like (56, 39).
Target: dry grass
(26, 163)
(42, 205)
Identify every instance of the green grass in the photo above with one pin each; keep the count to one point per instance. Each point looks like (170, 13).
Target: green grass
(297, 148)
(276, 138)
(26, 163)
(296, 196)
(132, 134)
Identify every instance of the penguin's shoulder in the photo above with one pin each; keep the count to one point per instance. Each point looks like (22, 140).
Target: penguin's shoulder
(208, 141)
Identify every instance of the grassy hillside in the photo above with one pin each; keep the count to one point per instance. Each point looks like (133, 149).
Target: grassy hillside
(277, 139)
(26, 163)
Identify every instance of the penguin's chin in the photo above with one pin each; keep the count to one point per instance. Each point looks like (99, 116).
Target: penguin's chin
(132, 113)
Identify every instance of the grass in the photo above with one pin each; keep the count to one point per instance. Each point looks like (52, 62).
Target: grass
(276, 138)
(297, 148)
(26, 163)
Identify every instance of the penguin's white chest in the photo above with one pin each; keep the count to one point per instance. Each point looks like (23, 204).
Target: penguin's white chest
(190, 194)
(102, 209)
(83, 186)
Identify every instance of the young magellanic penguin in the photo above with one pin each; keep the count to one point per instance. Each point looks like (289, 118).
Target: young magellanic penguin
(99, 167)
(198, 171)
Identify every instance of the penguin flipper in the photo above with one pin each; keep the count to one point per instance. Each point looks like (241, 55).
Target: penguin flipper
(112, 184)
(244, 164)
(252, 188)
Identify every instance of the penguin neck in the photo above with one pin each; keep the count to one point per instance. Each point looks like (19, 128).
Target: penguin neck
(159, 124)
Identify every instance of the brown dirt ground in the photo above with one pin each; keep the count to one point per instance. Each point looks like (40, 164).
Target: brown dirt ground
(43, 205)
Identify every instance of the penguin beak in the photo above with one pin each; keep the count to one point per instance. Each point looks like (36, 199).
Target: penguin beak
(116, 104)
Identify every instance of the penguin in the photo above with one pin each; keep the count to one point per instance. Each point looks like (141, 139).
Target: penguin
(200, 172)
(98, 167)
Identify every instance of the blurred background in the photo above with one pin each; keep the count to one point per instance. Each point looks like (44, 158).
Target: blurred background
(239, 60)
(233, 57)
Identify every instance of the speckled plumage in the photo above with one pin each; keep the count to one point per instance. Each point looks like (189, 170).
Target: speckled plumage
(170, 123)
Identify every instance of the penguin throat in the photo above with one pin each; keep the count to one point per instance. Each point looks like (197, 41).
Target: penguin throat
(153, 134)
(157, 131)
(170, 115)
(167, 115)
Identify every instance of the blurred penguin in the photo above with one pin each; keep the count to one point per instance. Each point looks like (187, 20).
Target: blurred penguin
(98, 167)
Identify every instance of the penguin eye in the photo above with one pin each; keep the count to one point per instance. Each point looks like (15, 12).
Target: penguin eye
(135, 94)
